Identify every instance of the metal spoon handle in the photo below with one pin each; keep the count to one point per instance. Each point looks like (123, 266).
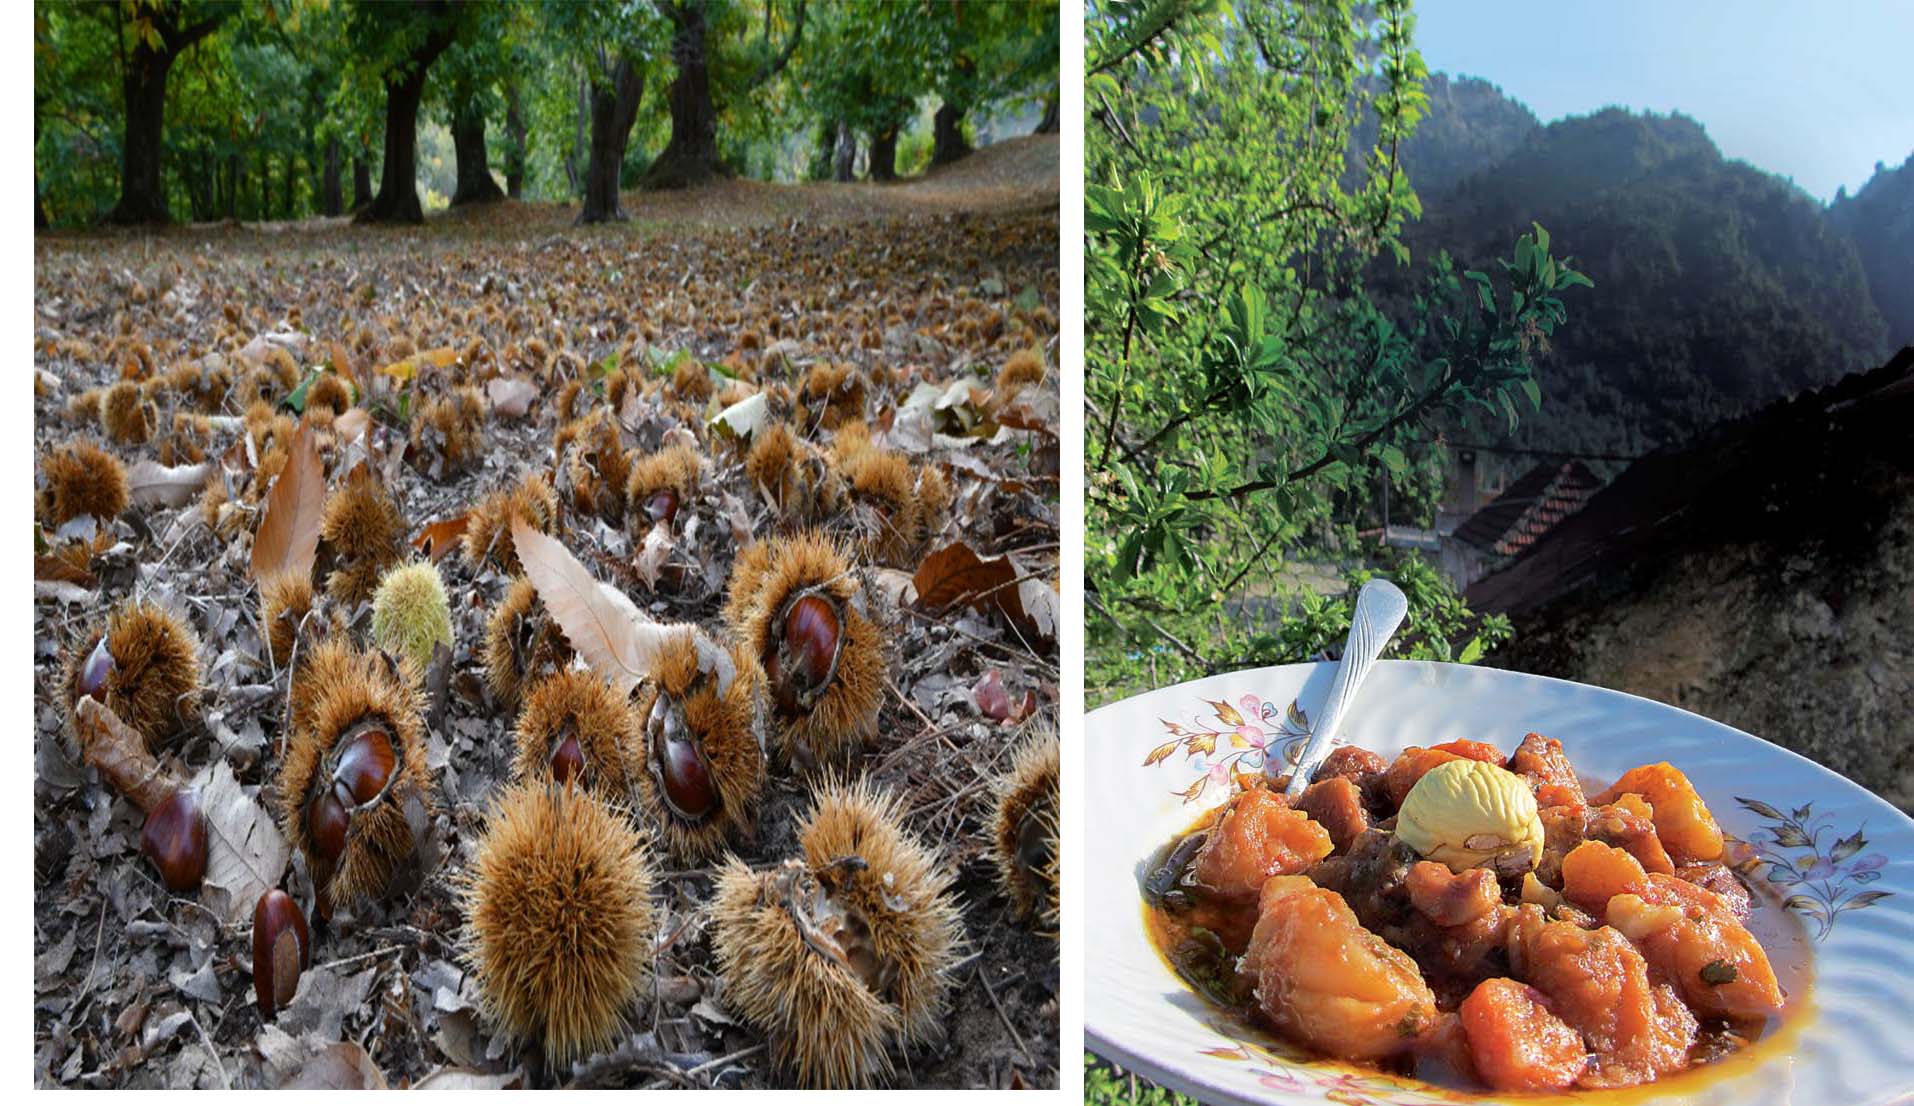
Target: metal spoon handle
(1380, 607)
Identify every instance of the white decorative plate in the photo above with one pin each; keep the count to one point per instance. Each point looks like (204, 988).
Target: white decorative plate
(1840, 859)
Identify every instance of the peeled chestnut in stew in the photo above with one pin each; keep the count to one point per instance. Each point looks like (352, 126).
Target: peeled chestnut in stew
(96, 670)
(282, 948)
(679, 765)
(174, 839)
(806, 653)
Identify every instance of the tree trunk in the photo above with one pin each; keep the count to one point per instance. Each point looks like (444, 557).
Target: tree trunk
(691, 157)
(142, 198)
(361, 182)
(884, 155)
(1049, 123)
(142, 191)
(573, 179)
(947, 134)
(265, 189)
(614, 108)
(331, 200)
(844, 154)
(515, 155)
(398, 198)
(475, 183)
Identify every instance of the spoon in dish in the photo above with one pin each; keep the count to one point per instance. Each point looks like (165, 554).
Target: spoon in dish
(1380, 607)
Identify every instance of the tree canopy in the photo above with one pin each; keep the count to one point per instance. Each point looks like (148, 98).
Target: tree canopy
(162, 110)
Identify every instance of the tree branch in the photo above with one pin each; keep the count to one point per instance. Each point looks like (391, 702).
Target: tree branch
(773, 66)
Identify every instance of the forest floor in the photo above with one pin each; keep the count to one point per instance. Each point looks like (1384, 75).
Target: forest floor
(920, 285)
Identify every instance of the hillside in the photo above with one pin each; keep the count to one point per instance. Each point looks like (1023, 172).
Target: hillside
(1759, 577)
(1880, 220)
(1718, 287)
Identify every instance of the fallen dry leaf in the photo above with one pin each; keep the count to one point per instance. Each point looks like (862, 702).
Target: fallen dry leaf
(511, 396)
(441, 537)
(245, 853)
(121, 755)
(151, 484)
(288, 538)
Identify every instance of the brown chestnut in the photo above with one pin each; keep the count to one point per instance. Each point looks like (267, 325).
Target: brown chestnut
(282, 948)
(568, 760)
(806, 654)
(326, 822)
(662, 506)
(174, 839)
(365, 764)
(95, 671)
(679, 766)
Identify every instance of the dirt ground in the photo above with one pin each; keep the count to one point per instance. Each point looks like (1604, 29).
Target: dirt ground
(926, 282)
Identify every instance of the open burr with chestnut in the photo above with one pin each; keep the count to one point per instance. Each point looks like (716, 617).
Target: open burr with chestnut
(701, 720)
(144, 664)
(354, 785)
(844, 954)
(803, 613)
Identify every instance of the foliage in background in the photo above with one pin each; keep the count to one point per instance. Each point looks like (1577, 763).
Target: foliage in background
(1106, 1085)
(1246, 395)
(255, 112)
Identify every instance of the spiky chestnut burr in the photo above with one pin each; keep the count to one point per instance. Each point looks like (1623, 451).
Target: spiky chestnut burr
(488, 529)
(354, 780)
(127, 414)
(885, 491)
(1022, 369)
(594, 465)
(361, 535)
(1023, 830)
(692, 382)
(702, 752)
(559, 925)
(448, 433)
(522, 643)
(659, 486)
(845, 955)
(832, 394)
(574, 727)
(144, 664)
(285, 604)
(80, 478)
(329, 391)
(410, 614)
(800, 609)
(795, 476)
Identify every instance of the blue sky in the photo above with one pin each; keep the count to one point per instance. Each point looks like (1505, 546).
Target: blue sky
(1816, 90)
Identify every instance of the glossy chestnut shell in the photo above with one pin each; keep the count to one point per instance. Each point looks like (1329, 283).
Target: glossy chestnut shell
(679, 765)
(568, 760)
(282, 948)
(174, 839)
(662, 506)
(95, 671)
(362, 767)
(805, 656)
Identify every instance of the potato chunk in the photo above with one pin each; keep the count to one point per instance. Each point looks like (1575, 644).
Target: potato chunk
(1690, 934)
(1598, 983)
(1516, 1042)
(1326, 982)
(1682, 820)
(1542, 760)
(1408, 769)
(1451, 899)
(1473, 750)
(1716, 964)
(1335, 804)
(1258, 836)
